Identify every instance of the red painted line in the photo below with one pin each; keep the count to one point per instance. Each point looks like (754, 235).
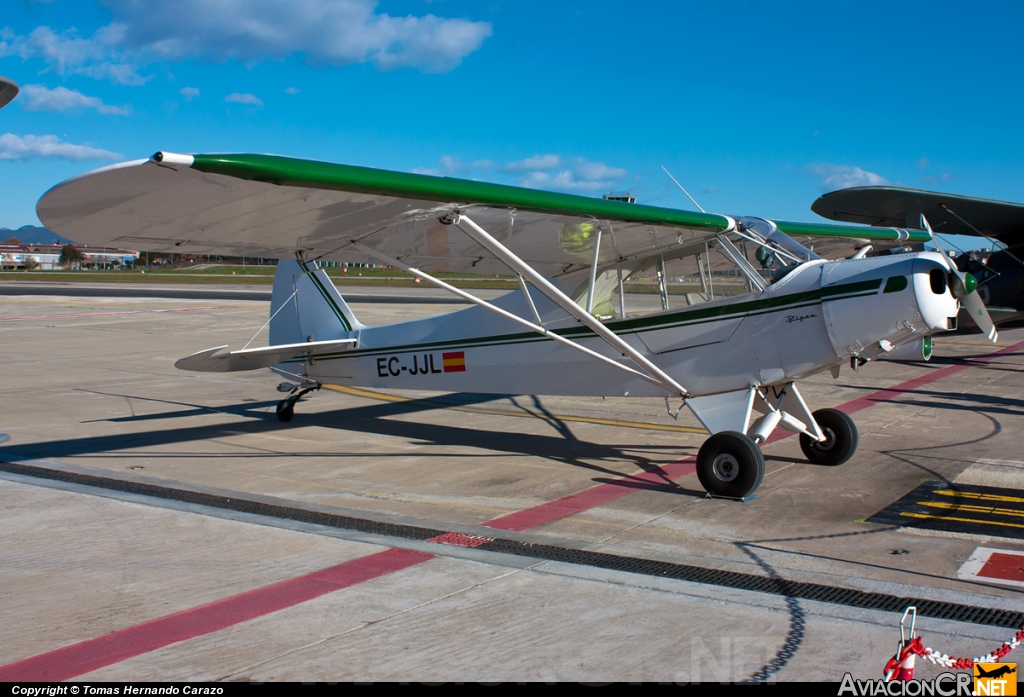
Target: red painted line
(100, 314)
(911, 385)
(86, 656)
(1007, 567)
(595, 496)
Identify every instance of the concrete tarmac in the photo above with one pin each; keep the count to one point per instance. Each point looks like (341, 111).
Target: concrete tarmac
(91, 391)
(221, 291)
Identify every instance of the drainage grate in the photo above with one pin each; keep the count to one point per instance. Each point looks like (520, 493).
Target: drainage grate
(648, 567)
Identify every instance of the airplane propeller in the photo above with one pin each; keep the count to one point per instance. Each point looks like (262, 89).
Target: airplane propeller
(965, 289)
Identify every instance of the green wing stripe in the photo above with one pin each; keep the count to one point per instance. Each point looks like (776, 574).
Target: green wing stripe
(867, 233)
(288, 171)
(327, 296)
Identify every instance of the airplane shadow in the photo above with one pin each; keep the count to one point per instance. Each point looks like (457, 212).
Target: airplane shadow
(966, 401)
(376, 419)
(794, 633)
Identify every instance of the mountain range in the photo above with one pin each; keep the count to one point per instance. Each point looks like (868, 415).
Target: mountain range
(32, 234)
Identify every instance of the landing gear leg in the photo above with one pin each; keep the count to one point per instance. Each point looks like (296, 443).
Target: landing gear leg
(286, 407)
(840, 439)
(730, 465)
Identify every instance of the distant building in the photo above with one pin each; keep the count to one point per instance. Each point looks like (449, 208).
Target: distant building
(625, 197)
(14, 257)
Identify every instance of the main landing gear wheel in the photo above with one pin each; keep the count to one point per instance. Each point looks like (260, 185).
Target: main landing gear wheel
(730, 464)
(285, 410)
(840, 439)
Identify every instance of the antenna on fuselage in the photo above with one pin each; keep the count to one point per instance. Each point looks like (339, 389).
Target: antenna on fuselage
(683, 190)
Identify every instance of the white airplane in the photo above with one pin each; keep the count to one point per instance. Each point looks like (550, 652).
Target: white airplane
(733, 360)
(8, 91)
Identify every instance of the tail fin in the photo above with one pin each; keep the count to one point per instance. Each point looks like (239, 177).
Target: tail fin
(305, 306)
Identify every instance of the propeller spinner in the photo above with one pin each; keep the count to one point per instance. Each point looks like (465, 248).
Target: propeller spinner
(965, 289)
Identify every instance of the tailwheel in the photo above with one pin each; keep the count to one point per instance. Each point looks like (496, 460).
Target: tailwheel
(730, 465)
(285, 410)
(840, 439)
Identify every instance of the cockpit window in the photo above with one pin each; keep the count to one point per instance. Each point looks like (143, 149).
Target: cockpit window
(938, 281)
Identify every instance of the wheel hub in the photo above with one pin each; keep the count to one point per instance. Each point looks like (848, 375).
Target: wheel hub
(830, 440)
(725, 467)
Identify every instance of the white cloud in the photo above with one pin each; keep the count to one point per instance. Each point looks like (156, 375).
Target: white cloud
(537, 162)
(33, 147)
(922, 163)
(41, 98)
(323, 32)
(833, 177)
(944, 177)
(550, 172)
(595, 170)
(189, 93)
(538, 172)
(244, 98)
(293, 90)
(68, 53)
(453, 166)
(562, 181)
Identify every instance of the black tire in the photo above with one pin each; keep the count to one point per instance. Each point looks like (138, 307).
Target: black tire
(285, 410)
(840, 439)
(730, 464)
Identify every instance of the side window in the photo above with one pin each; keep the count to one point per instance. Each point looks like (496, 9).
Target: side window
(895, 284)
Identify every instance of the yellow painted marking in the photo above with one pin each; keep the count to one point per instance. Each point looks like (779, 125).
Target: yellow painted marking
(368, 394)
(962, 520)
(979, 497)
(967, 508)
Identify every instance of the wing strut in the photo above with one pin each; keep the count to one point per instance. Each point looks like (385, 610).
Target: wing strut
(593, 272)
(485, 240)
(729, 249)
(391, 261)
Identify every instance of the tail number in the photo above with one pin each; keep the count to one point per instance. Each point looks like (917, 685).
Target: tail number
(422, 364)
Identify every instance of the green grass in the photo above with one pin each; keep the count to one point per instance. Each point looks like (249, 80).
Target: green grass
(264, 275)
(252, 275)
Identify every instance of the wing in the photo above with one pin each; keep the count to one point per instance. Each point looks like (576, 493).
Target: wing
(947, 213)
(841, 241)
(271, 206)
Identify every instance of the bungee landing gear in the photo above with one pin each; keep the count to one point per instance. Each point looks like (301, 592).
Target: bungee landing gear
(286, 407)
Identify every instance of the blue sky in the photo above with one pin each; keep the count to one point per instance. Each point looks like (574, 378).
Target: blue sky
(757, 107)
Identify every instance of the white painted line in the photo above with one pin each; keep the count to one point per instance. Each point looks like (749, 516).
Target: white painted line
(972, 567)
(1007, 474)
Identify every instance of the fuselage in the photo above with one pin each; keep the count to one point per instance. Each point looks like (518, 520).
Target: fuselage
(816, 317)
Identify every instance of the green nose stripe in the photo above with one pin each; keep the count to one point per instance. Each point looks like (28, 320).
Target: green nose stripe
(970, 283)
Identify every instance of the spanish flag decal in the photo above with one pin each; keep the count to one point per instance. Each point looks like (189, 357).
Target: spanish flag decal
(454, 362)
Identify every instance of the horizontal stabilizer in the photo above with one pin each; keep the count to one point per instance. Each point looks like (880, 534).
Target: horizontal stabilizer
(212, 361)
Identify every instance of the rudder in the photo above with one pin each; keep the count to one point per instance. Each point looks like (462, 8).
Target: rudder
(305, 306)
